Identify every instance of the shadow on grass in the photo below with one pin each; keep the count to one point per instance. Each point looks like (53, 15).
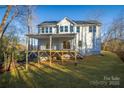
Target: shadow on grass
(55, 77)
(62, 76)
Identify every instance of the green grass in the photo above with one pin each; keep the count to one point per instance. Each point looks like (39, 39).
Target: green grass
(92, 68)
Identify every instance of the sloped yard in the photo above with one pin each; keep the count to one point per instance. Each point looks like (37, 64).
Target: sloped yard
(93, 71)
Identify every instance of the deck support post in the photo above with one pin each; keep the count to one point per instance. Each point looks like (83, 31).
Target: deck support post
(75, 57)
(26, 60)
(38, 55)
(27, 42)
(76, 47)
(50, 57)
(62, 57)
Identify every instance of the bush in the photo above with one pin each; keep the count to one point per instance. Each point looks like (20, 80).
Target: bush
(121, 55)
(21, 56)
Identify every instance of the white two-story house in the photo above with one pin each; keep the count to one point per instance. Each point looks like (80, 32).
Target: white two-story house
(67, 34)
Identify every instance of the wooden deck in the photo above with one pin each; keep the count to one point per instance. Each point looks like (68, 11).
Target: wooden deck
(48, 50)
(50, 54)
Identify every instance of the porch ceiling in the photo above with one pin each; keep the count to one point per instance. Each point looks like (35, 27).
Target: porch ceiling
(56, 36)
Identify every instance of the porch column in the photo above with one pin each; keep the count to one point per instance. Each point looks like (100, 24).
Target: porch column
(50, 57)
(76, 49)
(72, 44)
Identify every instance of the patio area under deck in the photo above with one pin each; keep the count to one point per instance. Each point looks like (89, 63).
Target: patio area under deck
(50, 53)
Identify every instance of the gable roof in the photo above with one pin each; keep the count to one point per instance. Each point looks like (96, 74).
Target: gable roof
(72, 21)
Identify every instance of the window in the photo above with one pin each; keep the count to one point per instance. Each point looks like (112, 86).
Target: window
(61, 28)
(90, 28)
(46, 29)
(78, 29)
(94, 28)
(47, 46)
(66, 28)
(42, 29)
(80, 43)
(66, 45)
(57, 29)
(71, 29)
(50, 29)
(39, 30)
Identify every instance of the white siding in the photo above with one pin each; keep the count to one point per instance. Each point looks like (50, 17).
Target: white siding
(64, 23)
(84, 36)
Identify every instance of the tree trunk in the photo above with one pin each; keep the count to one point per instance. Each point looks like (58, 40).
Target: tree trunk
(5, 17)
(4, 25)
(9, 62)
(5, 61)
(13, 61)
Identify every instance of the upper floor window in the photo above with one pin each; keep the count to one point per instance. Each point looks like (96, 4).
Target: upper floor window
(57, 29)
(50, 29)
(71, 29)
(78, 29)
(61, 28)
(94, 28)
(90, 28)
(42, 29)
(46, 29)
(39, 29)
(66, 28)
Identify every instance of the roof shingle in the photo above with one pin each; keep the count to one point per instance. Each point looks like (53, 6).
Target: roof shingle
(76, 21)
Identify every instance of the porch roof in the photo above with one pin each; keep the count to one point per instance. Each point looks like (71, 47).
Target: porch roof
(44, 36)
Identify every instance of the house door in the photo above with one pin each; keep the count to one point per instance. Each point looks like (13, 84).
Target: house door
(66, 45)
(47, 45)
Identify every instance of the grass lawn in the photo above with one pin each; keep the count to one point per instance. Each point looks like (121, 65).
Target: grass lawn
(90, 72)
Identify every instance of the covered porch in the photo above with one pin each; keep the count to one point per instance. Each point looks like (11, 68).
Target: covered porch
(52, 49)
(52, 41)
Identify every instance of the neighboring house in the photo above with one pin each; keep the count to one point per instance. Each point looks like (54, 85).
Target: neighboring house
(67, 34)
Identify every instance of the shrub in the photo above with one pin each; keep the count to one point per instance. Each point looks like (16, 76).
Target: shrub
(121, 55)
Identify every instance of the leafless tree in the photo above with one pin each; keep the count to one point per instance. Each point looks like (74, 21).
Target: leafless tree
(6, 21)
(96, 14)
(16, 17)
(115, 34)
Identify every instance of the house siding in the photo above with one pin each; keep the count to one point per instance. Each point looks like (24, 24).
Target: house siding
(90, 43)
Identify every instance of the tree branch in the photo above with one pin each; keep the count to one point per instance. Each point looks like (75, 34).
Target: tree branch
(5, 27)
(5, 17)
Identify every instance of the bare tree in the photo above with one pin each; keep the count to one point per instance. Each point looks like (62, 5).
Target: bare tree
(5, 22)
(96, 14)
(115, 34)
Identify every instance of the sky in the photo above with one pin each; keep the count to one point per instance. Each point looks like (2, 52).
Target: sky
(82, 12)
(75, 12)
(106, 13)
